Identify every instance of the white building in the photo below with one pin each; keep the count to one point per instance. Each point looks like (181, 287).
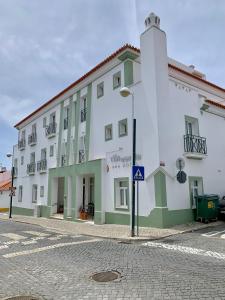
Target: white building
(76, 148)
(5, 188)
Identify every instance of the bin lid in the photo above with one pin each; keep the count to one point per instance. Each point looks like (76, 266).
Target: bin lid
(208, 196)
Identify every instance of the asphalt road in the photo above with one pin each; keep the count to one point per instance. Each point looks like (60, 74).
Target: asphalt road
(51, 265)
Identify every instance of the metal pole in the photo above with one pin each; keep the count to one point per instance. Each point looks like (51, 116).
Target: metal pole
(11, 195)
(133, 182)
(137, 208)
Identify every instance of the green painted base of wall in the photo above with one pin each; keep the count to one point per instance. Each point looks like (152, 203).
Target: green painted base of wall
(117, 218)
(159, 218)
(22, 211)
(45, 211)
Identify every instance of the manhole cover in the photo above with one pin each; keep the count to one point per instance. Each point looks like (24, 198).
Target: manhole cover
(106, 276)
(22, 298)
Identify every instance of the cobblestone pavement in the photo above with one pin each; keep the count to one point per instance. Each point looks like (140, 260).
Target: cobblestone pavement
(54, 265)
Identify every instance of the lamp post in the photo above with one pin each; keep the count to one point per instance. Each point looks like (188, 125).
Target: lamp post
(9, 155)
(125, 92)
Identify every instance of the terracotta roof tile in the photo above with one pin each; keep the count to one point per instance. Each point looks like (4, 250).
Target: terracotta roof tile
(218, 104)
(5, 185)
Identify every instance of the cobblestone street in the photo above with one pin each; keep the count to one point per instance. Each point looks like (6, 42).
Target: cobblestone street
(51, 265)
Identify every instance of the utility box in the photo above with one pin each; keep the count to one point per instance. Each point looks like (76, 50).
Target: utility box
(207, 208)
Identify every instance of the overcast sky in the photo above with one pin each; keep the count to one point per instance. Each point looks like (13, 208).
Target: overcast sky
(47, 44)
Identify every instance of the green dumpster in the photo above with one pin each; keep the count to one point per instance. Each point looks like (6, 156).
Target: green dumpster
(207, 208)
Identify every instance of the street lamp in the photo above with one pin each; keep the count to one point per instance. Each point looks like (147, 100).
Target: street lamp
(9, 155)
(125, 92)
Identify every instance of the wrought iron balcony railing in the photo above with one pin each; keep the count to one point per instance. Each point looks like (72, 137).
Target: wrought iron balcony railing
(50, 130)
(32, 139)
(81, 156)
(31, 168)
(83, 114)
(195, 144)
(21, 144)
(42, 165)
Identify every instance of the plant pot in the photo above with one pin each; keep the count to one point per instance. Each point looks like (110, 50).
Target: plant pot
(83, 215)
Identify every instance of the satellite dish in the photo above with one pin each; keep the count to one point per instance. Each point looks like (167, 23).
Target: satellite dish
(180, 163)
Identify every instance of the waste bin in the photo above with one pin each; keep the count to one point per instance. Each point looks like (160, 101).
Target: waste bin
(207, 208)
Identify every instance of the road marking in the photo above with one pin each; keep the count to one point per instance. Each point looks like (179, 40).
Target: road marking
(37, 233)
(212, 233)
(27, 252)
(29, 242)
(13, 236)
(11, 242)
(3, 247)
(187, 250)
(57, 237)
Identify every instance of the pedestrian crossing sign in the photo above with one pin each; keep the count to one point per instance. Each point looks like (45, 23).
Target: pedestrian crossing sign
(138, 173)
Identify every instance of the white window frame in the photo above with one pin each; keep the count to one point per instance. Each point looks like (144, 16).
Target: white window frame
(119, 191)
(20, 193)
(108, 132)
(34, 193)
(123, 124)
(100, 90)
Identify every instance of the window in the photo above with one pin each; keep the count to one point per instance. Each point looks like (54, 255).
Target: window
(83, 111)
(117, 80)
(34, 193)
(123, 128)
(108, 132)
(66, 117)
(22, 160)
(122, 193)
(196, 188)
(23, 135)
(42, 191)
(100, 89)
(51, 152)
(52, 118)
(20, 195)
(32, 157)
(44, 122)
(34, 129)
(191, 126)
(43, 154)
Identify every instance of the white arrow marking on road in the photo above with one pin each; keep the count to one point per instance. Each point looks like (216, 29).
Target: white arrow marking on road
(37, 233)
(212, 233)
(13, 236)
(187, 250)
(36, 250)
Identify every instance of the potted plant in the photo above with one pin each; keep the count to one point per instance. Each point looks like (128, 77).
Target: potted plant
(82, 213)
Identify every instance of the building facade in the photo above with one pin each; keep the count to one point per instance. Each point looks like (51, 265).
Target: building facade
(74, 152)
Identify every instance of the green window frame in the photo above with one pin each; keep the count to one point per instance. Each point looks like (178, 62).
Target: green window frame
(108, 132)
(100, 90)
(123, 128)
(117, 80)
(121, 194)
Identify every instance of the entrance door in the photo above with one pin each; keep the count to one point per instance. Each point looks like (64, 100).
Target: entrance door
(60, 202)
(196, 188)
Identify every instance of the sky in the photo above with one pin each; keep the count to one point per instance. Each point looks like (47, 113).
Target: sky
(45, 45)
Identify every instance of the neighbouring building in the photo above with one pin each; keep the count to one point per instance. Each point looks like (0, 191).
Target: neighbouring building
(5, 189)
(74, 152)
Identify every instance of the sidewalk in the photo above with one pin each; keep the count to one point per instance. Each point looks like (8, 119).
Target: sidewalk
(121, 232)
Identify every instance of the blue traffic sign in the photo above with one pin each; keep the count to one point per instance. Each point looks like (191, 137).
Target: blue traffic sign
(138, 173)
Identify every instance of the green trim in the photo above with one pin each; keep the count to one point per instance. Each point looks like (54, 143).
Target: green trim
(100, 85)
(117, 218)
(22, 211)
(127, 54)
(119, 123)
(107, 127)
(190, 179)
(116, 180)
(128, 73)
(115, 84)
(45, 211)
(91, 167)
(160, 189)
(68, 144)
(77, 122)
(88, 121)
(60, 135)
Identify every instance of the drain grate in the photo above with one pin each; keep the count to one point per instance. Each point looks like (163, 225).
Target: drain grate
(22, 298)
(106, 276)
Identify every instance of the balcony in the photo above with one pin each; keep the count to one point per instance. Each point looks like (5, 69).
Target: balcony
(50, 130)
(21, 144)
(31, 168)
(195, 146)
(42, 166)
(83, 114)
(32, 139)
(81, 156)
